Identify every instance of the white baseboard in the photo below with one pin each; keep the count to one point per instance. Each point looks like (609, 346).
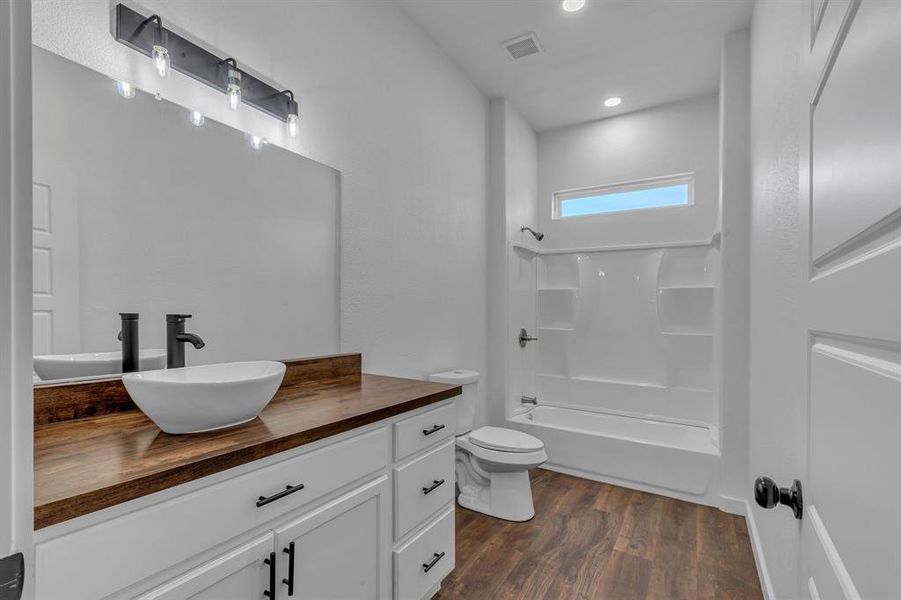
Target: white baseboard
(735, 506)
(766, 585)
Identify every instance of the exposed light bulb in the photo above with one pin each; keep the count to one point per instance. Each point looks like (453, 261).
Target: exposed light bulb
(293, 118)
(257, 142)
(233, 90)
(196, 118)
(614, 101)
(125, 89)
(573, 5)
(160, 56)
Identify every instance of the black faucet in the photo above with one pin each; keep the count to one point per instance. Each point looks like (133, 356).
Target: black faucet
(128, 335)
(175, 340)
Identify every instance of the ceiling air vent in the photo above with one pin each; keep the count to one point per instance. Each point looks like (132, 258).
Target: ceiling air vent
(522, 46)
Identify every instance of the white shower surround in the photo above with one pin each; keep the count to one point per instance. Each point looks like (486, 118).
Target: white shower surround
(623, 369)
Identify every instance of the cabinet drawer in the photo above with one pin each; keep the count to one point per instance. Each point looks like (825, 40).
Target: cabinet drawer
(422, 487)
(101, 559)
(433, 546)
(423, 430)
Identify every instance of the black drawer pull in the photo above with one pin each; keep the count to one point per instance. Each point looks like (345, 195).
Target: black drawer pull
(426, 567)
(289, 581)
(435, 483)
(263, 500)
(270, 593)
(432, 430)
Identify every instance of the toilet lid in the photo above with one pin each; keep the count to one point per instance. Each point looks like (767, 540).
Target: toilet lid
(505, 440)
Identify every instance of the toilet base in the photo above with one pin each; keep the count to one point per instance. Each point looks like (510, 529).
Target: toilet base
(506, 495)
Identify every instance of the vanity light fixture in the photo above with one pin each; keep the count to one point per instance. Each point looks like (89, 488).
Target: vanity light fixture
(613, 101)
(293, 118)
(170, 50)
(196, 118)
(233, 87)
(159, 53)
(125, 89)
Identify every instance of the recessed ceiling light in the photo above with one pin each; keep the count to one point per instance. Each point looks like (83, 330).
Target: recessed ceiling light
(613, 101)
(573, 5)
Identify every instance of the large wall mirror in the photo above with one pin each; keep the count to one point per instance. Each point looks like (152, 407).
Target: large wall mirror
(139, 210)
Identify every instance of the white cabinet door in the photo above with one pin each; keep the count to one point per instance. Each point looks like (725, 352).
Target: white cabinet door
(341, 550)
(241, 574)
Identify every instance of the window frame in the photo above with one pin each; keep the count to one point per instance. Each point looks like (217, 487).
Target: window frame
(626, 186)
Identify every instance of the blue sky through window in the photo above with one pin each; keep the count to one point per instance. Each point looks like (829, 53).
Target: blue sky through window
(596, 204)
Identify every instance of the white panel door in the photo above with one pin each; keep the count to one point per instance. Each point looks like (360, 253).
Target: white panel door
(55, 262)
(341, 550)
(851, 194)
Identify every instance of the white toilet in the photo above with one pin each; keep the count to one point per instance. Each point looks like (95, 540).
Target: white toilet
(492, 462)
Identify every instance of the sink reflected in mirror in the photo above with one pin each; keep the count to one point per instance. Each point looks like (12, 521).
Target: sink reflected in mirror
(206, 397)
(90, 364)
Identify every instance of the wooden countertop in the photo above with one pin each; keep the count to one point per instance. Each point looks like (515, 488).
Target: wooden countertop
(87, 464)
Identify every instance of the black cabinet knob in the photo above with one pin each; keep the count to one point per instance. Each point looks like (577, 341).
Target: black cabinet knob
(768, 494)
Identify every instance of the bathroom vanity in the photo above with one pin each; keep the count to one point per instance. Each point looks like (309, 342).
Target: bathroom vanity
(342, 488)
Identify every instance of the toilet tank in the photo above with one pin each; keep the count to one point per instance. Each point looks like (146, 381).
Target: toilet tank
(465, 404)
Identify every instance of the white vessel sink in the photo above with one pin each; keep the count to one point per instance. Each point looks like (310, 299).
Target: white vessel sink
(67, 366)
(206, 397)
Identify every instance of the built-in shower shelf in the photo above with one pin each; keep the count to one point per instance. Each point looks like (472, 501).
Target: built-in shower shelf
(694, 390)
(686, 286)
(644, 384)
(689, 333)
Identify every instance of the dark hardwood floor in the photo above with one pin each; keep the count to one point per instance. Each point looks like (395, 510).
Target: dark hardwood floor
(599, 541)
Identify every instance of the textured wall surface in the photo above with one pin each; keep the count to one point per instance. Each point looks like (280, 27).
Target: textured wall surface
(667, 140)
(732, 300)
(777, 274)
(383, 105)
(513, 183)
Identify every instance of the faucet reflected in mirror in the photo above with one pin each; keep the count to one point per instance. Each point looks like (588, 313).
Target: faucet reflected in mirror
(176, 338)
(129, 336)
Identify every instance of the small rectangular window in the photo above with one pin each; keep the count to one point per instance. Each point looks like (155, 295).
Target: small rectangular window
(659, 192)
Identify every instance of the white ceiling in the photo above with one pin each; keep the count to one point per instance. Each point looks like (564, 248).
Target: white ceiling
(650, 52)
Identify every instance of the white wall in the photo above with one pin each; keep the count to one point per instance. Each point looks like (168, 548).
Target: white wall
(173, 218)
(381, 104)
(732, 292)
(521, 175)
(670, 139)
(778, 339)
(512, 184)
(16, 410)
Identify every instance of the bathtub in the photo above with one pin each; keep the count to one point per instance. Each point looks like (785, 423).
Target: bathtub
(668, 458)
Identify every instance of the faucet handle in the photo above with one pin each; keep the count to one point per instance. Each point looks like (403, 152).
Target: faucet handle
(176, 318)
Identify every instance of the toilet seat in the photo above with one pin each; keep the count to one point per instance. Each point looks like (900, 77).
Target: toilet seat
(505, 440)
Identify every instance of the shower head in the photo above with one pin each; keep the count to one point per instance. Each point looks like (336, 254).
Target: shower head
(538, 235)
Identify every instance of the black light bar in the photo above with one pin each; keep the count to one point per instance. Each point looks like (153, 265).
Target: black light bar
(139, 33)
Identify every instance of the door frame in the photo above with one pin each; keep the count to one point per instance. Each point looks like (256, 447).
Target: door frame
(16, 391)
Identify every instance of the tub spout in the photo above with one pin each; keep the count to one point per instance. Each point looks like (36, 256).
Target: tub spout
(529, 400)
